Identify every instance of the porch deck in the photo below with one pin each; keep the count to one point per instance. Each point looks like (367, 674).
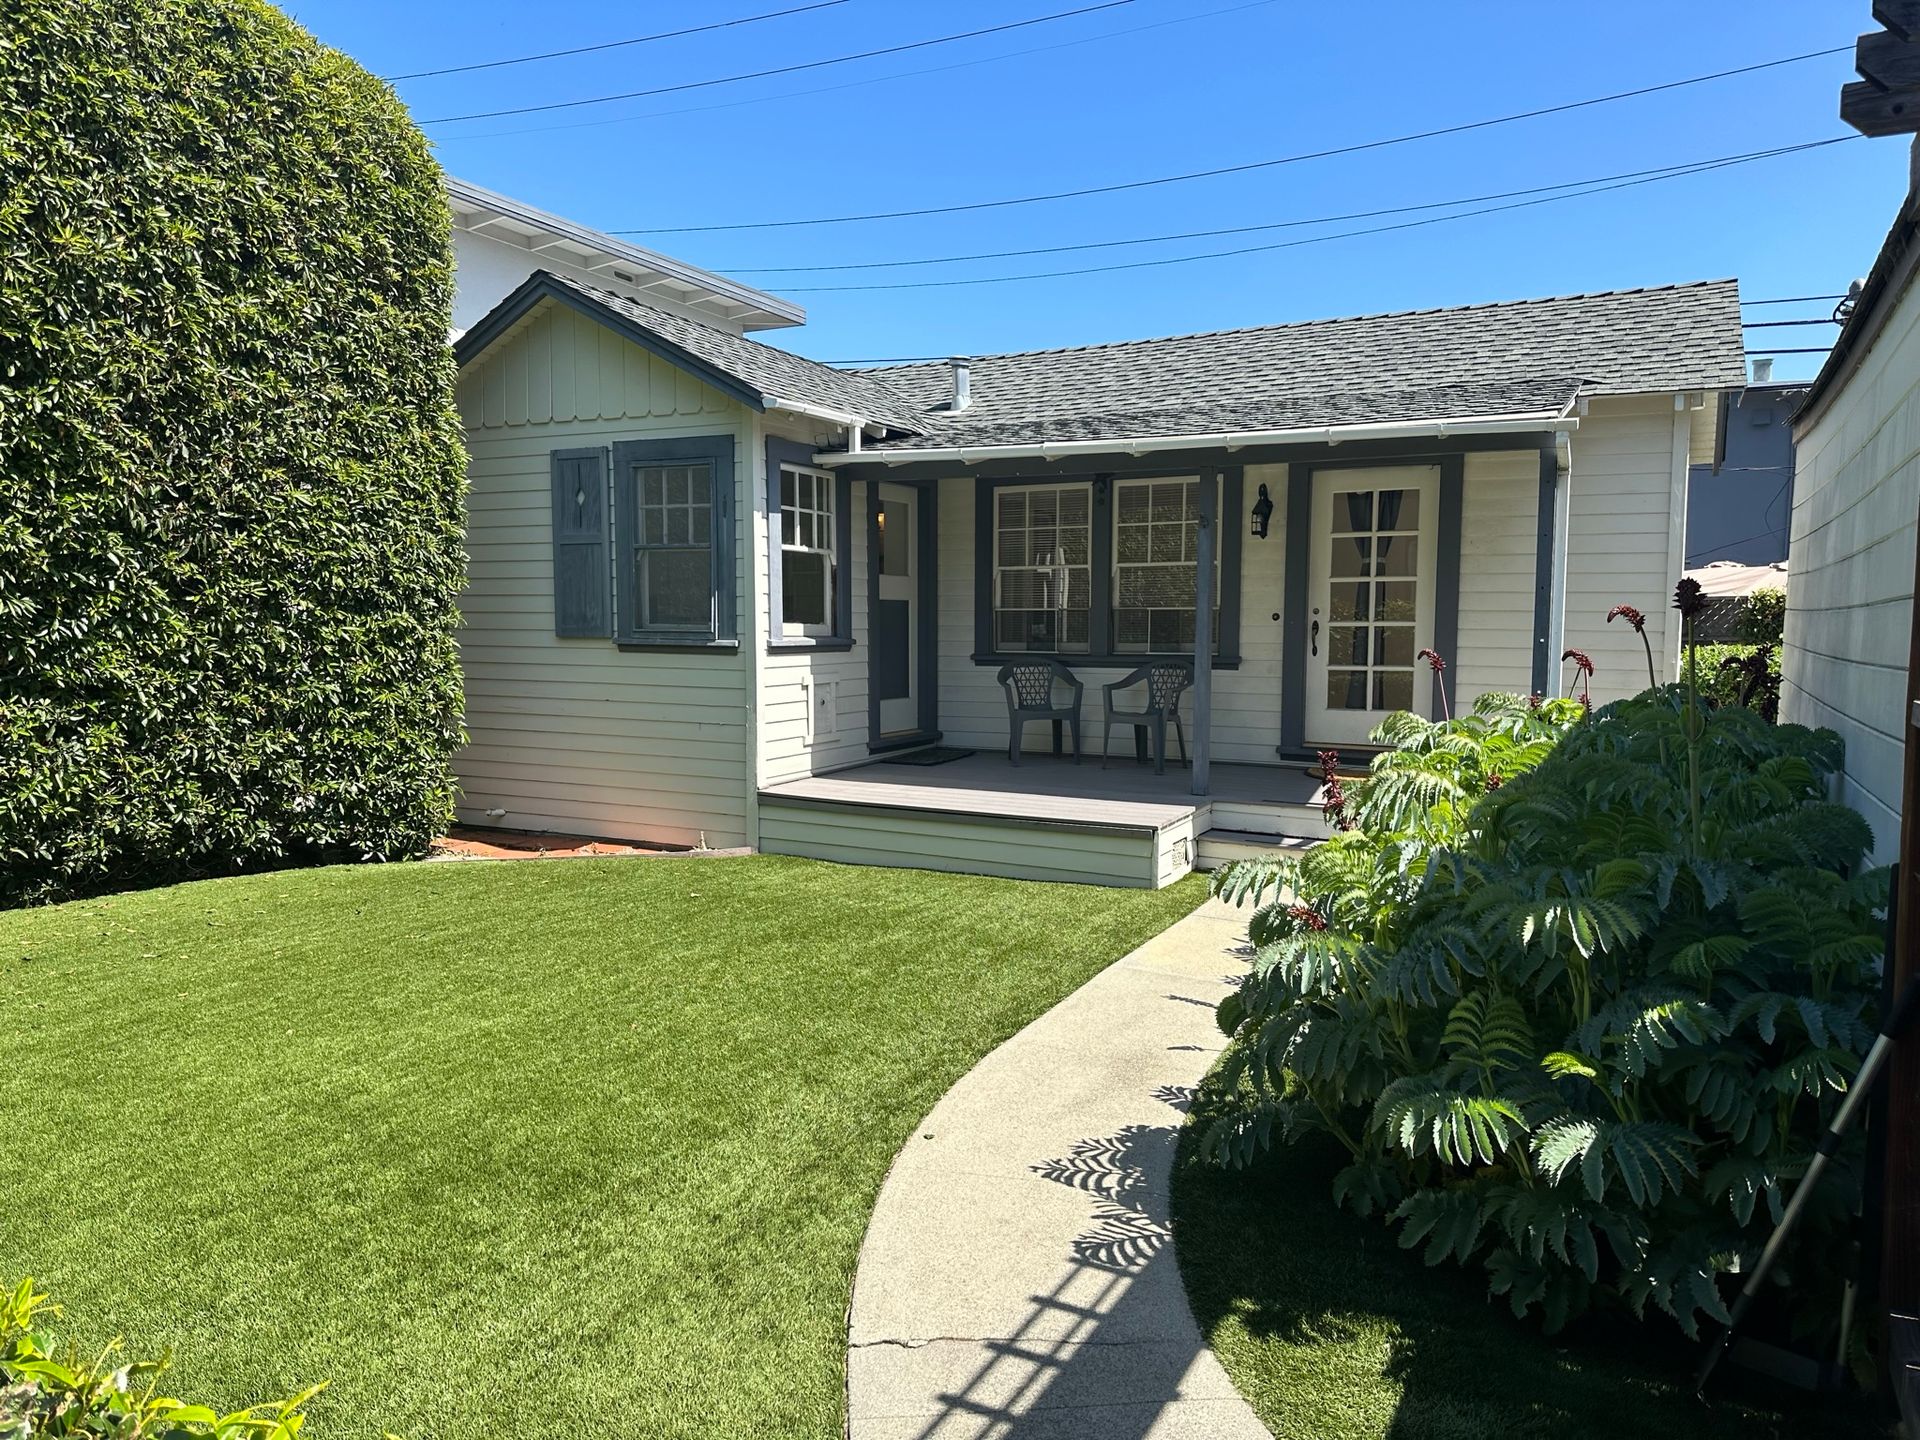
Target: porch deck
(1046, 818)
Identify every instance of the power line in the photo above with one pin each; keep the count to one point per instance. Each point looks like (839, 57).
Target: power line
(1778, 324)
(782, 69)
(1699, 169)
(616, 44)
(1662, 170)
(1793, 300)
(1802, 350)
(1353, 149)
(859, 84)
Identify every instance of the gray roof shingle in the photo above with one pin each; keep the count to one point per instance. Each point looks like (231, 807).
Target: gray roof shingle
(775, 374)
(1475, 360)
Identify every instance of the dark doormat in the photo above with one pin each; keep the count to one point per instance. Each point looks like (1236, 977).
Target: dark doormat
(932, 755)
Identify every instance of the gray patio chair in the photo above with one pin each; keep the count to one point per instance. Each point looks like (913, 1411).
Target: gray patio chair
(1165, 681)
(1030, 685)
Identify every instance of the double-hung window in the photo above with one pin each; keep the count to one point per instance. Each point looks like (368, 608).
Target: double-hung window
(809, 572)
(1156, 551)
(673, 541)
(1042, 567)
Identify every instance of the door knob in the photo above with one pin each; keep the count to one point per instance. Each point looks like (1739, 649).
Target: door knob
(1316, 637)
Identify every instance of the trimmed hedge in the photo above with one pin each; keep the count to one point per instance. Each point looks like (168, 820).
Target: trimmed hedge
(231, 474)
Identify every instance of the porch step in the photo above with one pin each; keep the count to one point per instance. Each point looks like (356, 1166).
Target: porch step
(1216, 847)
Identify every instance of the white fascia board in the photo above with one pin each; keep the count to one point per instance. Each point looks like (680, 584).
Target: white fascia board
(1230, 440)
(476, 207)
(816, 412)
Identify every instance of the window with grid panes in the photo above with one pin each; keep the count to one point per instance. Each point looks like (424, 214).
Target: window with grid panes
(1042, 567)
(809, 569)
(1156, 550)
(673, 556)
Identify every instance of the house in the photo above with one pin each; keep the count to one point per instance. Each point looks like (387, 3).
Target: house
(722, 595)
(1845, 654)
(1738, 506)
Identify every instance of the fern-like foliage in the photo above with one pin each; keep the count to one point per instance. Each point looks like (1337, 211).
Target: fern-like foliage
(1565, 1034)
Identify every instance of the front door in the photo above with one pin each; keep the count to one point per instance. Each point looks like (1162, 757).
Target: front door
(895, 672)
(1370, 597)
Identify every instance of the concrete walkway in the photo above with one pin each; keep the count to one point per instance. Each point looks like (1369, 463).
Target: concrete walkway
(1018, 1276)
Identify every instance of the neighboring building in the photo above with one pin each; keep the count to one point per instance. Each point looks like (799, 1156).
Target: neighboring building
(1849, 611)
(712, 581)
(1738, 507)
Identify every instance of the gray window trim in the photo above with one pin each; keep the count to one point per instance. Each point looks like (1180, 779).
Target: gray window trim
(572, 548)
(790, 452)
(1100, 651)
(717, 451)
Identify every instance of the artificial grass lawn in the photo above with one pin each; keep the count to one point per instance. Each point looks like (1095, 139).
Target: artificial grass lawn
(1332, 1332)
(527, 1149)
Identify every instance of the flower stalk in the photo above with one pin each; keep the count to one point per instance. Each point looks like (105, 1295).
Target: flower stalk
(1638, 620)
(1689, 599)
(1437, 665)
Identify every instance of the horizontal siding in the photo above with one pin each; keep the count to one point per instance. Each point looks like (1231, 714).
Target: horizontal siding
(1851, 559)
(952, 843)
(1499, 545)
(577, 735)
(1621, 542)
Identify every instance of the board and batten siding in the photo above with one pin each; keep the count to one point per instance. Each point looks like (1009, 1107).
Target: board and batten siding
(1627, 498)
(813, 703)
(576, 735)
(1851, 564)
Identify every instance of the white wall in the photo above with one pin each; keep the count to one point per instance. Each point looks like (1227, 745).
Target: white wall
(1499, 544)
(1851, 564)
(487, 269)
(1627, 497)
(575, 735)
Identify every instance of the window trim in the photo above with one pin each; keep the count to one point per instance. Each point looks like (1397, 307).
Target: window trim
(781, 452)
(715, 451)
(1100, 652)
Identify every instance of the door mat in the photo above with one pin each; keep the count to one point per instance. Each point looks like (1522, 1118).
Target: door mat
(932, 755)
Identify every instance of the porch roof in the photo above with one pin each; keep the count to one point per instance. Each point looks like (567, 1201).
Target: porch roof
(1515, 358)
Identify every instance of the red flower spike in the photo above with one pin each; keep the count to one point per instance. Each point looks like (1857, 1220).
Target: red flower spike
(1581, 661)
(1307, 916)
(1636, 618)
(1434, 662)
(1494, 781)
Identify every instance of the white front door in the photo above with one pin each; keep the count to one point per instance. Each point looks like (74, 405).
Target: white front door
(895, 670)
(1370, 597)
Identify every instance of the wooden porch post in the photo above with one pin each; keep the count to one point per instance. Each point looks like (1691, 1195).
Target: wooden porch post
(1203, 635)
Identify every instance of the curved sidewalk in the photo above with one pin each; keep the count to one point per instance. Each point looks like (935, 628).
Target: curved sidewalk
(1017, 1278)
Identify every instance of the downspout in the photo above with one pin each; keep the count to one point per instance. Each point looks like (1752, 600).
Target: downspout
(1203, 636)
(1562, 545)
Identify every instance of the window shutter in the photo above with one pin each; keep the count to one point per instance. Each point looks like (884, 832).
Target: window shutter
(582, 580)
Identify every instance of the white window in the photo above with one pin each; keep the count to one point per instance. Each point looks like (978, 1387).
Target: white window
(1156, 550)
(1042, 567)
(809, 569)
(673, 560)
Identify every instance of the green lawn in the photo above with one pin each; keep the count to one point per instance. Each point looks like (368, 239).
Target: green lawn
(527, 1149)
(1334, 1333)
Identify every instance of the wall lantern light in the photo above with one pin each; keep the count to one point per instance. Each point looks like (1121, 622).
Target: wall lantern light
(1262, 513)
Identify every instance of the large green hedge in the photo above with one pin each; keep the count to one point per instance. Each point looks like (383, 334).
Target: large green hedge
(231, 474)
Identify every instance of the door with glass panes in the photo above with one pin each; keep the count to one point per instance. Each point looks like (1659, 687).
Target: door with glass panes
(1370, 597)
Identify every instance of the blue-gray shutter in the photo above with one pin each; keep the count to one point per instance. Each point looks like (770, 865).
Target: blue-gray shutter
(582, 578)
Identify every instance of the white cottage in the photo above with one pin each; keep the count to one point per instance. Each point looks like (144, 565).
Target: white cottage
(721, 595)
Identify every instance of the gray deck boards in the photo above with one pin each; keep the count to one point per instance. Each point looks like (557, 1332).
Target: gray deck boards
(1045, 788)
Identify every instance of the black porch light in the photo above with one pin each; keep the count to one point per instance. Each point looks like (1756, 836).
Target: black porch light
(1262, 514)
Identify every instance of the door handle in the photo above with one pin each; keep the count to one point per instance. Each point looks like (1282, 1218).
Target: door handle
(1316, 637)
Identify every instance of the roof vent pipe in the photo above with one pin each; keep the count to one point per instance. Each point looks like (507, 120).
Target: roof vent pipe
(962, 382)
(1762, 369)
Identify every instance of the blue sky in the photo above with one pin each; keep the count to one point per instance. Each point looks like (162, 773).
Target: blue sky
(1121, 95)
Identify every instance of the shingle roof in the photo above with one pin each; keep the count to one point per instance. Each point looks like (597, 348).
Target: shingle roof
(1510, 357)
(775, 374)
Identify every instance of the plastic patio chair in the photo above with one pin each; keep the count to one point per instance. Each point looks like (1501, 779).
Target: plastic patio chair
(1030, 685)
(1166, 681)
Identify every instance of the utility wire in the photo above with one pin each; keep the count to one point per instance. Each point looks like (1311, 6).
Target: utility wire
(1353, 149)
(815, 90)
(1793, 300)
(1779, 324)
(616, 44)
(1698, 169)
(1659, 171)
(782, 69)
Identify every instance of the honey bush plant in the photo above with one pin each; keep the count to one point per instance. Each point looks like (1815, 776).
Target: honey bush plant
(230, 469)
(1580, 1025)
